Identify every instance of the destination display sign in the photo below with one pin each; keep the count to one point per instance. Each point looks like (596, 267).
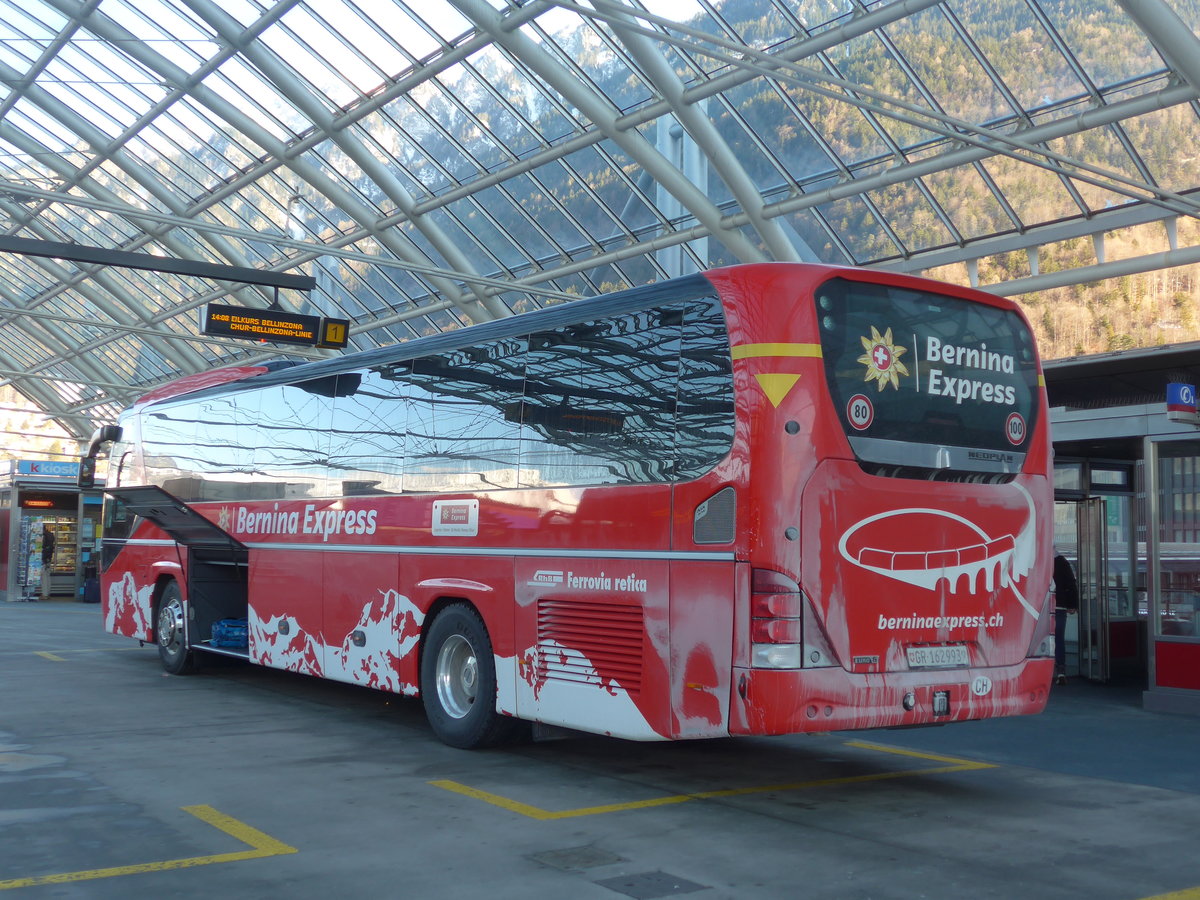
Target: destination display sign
(276, 326)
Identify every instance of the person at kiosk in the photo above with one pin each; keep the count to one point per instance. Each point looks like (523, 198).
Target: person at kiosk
(48, 545)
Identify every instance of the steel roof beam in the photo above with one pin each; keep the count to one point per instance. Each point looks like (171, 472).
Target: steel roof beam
(602, 114)
(104, 256)
(1169, 34)
(1153, 262)
(708, 139)
(1106, 220)
(480, 306)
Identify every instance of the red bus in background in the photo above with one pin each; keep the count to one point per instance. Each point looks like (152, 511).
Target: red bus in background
(763, 500)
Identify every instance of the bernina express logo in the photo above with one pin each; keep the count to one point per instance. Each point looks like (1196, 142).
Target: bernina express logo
(308, 521)
(882, 359)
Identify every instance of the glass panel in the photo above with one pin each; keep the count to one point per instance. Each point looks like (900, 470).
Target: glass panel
(1092, 37)
(969, 201)
(1035, 194)
(1068, 477)
(1098, 147)
(1179, 537)
(1109, 478)
(1166, 139)
(910, 216)
(1118, 518)
(858, 229)
(1024, 55)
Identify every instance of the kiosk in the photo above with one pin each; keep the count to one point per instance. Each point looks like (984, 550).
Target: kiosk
(49, 530)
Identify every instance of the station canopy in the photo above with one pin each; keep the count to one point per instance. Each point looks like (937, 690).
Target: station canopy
(427, 164)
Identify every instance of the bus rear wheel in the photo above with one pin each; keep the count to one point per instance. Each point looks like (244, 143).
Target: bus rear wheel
(458, 682)
(170, 632)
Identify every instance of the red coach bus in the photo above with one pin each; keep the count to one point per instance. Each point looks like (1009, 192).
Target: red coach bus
(768, 499)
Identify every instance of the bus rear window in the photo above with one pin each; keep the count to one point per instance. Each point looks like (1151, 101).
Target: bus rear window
(926, 382)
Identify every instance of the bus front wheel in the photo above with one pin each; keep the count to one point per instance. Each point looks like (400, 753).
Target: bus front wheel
(458, 681)
(171, 633)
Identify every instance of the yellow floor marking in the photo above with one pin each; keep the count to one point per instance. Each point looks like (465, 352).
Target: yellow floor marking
(534, 812)
(900, 751)
(263, 846)
(1185, 894)
(47, 654)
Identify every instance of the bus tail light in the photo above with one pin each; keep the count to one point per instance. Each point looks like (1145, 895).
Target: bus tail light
(784, 632)
(1042, 643)
(777, 631)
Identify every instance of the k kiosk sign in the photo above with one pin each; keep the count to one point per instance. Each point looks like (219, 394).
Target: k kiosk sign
(46, 467)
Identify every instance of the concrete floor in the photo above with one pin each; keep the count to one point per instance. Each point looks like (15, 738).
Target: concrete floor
(116, 779)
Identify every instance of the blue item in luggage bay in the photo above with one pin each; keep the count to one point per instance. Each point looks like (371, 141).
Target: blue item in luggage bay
(230, 633)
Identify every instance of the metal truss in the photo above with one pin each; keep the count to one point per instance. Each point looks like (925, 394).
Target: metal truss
(455, 161)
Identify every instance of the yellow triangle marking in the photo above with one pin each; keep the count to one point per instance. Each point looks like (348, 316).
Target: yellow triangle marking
(777, 385)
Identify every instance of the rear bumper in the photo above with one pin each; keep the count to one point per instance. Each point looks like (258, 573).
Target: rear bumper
(787, 702)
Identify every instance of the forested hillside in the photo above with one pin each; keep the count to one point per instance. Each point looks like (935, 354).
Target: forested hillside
(1136, 311)
(1160, 307)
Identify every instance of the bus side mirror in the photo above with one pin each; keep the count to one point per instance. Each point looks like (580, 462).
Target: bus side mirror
(105, 434)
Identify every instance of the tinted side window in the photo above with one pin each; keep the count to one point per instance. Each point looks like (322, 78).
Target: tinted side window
(290, 434)
(197, 450)
(599, 403)
(366, 449)
(706, 410)
(118, 520)
(462, 431)
(639, 397)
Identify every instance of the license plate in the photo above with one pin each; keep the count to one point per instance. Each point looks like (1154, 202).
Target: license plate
(934, 656)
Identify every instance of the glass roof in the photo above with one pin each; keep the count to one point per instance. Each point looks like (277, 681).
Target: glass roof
(445, 162)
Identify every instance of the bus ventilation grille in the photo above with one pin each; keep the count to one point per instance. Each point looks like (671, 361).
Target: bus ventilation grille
(715, 521)
(588, 642)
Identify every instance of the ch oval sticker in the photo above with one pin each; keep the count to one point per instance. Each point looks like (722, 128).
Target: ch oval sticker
(981, 686)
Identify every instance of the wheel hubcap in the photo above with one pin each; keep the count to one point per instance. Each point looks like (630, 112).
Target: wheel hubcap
(457, 676)
(170, 625)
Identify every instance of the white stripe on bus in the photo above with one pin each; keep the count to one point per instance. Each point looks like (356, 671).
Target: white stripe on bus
(502, 551)
(703, 555)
